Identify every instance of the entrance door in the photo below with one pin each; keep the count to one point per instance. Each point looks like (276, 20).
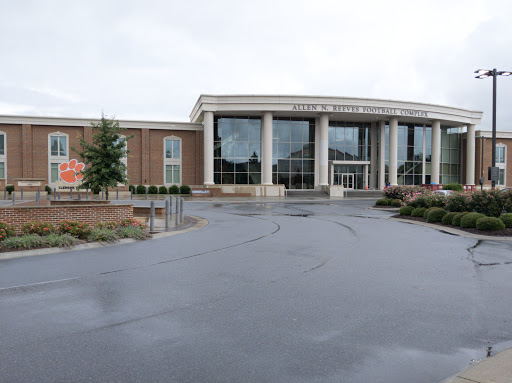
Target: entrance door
(347, 181)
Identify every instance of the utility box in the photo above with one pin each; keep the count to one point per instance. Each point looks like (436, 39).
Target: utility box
(493, 173)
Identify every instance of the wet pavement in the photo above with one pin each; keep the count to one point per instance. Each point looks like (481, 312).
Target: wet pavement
(314, 291)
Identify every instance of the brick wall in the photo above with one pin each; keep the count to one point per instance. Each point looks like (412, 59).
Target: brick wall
(487, 144)
(91, 214)
(27, 152)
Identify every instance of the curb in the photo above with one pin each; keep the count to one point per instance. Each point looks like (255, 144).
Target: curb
(496, 369)
(199, 224)
(450, 230)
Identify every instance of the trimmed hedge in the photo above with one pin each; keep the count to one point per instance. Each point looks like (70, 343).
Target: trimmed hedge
(506, 219)
(420, 202)
(418, 212)
(185, 189)
(141, 189)
(453, 186)
(448, 218)
(490, 223)
(469, 220)
(436, 215)
(425, 214)
(152, 190)
(162, 190)
(405, 210)
(174, 189)
(396, 203)
(131, 188)
(458, 217)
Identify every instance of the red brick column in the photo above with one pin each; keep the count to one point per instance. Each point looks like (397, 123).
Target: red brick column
(26, 134)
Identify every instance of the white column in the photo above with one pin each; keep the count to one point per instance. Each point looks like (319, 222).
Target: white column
(393, 151)
(373, 154)
(208, 148)
(424, 165)
(365, 176)
(436, 151)
(266, 149)
(470, 155)
(324, 149)
(382, 155)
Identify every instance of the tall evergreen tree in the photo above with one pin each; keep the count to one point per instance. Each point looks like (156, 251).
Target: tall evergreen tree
(103, 158)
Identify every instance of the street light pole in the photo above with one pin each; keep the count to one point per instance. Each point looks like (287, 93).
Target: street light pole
(484, 73)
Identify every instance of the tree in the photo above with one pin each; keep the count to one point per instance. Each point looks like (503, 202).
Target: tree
(103, 158)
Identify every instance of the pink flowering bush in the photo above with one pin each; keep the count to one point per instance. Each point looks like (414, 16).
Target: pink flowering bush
(459, 202)
(402, 192)
(6, 230)
(39, 228)
(489, 202)
(131, 222)
(76, 229)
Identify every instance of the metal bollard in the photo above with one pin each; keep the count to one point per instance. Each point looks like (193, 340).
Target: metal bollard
(37, 199)
(182, 202)
(59, 195)
(70, 194)
(177, 220)
(166, 214)
(87, 194)
(117, 193)
(102, 193)
(38, 194)
(54, 193)
(146, 193)
(22, 194)
(170, 205)
(152, 216)
(131, 194)
(79, 196)
(13, 199)
(5, 193)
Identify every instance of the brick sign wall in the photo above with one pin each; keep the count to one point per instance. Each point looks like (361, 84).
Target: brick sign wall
(91, 214)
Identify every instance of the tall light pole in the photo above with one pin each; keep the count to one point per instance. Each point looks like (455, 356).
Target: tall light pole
(484, 73)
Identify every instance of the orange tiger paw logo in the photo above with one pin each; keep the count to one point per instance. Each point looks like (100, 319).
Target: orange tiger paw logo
(70, 171)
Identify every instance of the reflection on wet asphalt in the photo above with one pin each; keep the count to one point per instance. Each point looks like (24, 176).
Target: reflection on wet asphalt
(315, 291)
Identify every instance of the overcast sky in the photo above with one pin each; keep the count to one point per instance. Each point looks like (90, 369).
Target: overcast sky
(152, 59)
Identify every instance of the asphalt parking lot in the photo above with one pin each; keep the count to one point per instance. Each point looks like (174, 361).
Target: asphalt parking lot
(312, 291)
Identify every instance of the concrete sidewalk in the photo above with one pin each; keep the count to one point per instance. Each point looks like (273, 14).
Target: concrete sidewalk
(496, 369)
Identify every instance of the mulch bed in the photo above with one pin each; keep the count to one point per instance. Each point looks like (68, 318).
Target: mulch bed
(507, 232)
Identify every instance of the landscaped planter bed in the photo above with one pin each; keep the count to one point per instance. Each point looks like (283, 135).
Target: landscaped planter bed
(507, 232)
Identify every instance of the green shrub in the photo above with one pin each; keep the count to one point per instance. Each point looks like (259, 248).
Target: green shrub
(396, 203)
(405, 210)
(448, 218)
(152, 190)
(507, 201)
(61, 240)
(436, 215)
(6, 230)
(131, 222)
(456, 219)
(162, 190)
(489, 223)
(27, 241)
(506, 219)
(184, 189)
(76, 229)
(141, 189)
(39, 228)
(135, 232)
(453, 186)
(131, 188)
(489, 202)
(107, 225)
(425, 214)
(174, 189)
(418, 212)
(469, 220)
(9, 188)
(383, 202)
(459, 202)
(103, 235)
(48, 189)
(436, 200)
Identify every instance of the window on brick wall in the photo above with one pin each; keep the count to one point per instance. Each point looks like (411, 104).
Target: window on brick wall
(3, 156)
(172, 160)
(58, 152)
(501, 163)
